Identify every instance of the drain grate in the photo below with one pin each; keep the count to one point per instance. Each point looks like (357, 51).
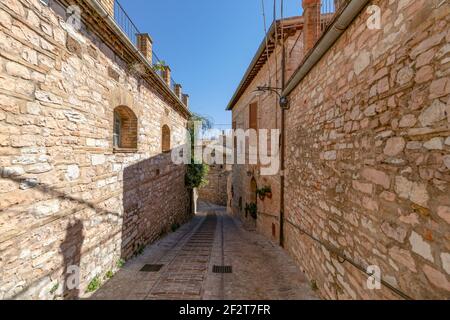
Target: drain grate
(222, 269)
(152, 267)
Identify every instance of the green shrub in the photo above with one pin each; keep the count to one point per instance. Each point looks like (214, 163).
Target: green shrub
(54, 288)
(175, 227)
(94, 284)
(196, 173)
(120, 263)
(109, 274)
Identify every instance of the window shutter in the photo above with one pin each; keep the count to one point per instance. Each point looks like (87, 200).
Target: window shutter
(253, 116)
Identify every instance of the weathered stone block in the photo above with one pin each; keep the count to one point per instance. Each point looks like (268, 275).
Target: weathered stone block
(377, 177)
(434, 144)
(416, 192)
(394, 146)
(421, 247)
(436, 278)
(435, 113)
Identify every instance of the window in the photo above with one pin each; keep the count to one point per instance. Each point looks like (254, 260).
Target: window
(253, 118)
(234, 126)
(117, 130)
(124, 128)
(165, 138)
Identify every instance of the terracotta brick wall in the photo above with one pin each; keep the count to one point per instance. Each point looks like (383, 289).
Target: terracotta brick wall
(368, 151)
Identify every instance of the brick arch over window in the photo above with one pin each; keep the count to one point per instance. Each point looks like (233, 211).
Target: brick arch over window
(165, 138)
(125, 128)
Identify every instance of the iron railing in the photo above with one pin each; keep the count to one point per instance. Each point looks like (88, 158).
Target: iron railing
(125, 23)
(328, 9)
(131, 31)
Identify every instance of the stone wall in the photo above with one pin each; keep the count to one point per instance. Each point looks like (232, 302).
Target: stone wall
(67, 198)
(368, 157)
(216, 190)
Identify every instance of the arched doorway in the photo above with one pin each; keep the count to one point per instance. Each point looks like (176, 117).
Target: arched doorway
(253, 205)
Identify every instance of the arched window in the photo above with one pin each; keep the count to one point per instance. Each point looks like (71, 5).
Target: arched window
(124, 128)
(165, 139)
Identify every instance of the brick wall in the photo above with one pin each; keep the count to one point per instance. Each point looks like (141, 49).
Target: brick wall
(66, 198)
(368, 156)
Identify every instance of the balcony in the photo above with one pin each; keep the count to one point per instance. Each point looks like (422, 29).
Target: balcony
(131, 31)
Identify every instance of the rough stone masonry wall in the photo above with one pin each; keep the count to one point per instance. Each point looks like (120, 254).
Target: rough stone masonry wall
(216, 190)
(65, 197)
(368, 151)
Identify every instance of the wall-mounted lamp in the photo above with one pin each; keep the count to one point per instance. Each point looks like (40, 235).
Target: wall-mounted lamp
(284, 101)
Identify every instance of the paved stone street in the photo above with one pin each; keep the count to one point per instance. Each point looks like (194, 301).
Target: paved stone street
(260, 269)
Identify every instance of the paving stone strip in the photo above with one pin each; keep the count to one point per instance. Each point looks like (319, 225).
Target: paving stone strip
(260, 269)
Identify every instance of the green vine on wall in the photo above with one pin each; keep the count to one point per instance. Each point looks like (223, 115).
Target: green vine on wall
(196, 173)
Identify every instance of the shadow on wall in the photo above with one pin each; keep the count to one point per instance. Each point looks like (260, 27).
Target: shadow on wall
(155, 200)
(71, 251)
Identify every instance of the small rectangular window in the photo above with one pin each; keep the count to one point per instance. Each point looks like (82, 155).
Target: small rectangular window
(253, 121)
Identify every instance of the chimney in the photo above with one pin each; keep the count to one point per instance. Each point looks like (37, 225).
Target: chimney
(185, 99)
(178, 90)
(108, 5)
(311, 16)
(166, 75)
(145, 45)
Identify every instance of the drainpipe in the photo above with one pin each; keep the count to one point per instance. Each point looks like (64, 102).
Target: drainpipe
(283, 144)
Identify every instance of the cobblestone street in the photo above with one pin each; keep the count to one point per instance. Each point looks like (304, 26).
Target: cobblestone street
(260, 269)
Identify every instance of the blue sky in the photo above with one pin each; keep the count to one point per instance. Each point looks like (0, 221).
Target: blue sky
(207, 43)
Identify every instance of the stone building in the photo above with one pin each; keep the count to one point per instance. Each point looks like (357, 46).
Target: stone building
(216, 189)
(367, 170)
(253, 109)
(86, 126)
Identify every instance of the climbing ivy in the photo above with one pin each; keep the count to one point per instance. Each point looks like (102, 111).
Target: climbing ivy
(196, 173)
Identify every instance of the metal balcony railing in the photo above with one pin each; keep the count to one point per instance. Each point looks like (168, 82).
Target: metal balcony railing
(131, 31)
(328, 9)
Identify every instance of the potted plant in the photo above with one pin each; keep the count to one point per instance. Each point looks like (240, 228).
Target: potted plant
(264, 192)
(253, 210)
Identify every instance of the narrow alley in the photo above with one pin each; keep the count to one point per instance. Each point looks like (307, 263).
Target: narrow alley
(186, 258)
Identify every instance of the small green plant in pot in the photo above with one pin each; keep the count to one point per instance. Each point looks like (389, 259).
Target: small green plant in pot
(264, 192)
(253, 210)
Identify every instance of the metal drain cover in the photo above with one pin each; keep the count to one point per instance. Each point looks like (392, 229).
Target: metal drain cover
(222, 269)
(152, 267)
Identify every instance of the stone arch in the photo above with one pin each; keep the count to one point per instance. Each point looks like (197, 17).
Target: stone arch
(125, 128)
(165, 138)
